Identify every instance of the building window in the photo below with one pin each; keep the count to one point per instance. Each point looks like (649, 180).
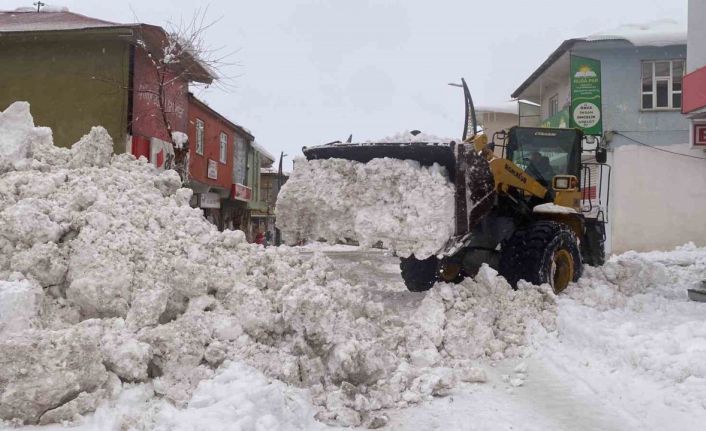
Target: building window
(200, 131)
(661, 84)
(224, 148)
(553, 105)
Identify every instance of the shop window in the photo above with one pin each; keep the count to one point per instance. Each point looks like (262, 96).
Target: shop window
(200, 132)
(224, 148)
(662, 84)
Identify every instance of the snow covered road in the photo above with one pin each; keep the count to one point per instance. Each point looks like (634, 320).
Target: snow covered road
(628, 353)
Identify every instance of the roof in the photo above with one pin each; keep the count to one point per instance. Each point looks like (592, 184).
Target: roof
(499, 108)
(203, 105)
(658, 33)
(154, 37)
(20, 21)
(260, 149)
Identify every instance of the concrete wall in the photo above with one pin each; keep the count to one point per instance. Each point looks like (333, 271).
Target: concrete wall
(73, 82)
(659, 201)
(696, 43)
(493, 122)
(621, 93)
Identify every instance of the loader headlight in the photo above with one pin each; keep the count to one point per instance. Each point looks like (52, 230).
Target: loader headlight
(564, 182)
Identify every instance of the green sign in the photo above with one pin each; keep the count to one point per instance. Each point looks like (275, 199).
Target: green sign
(560, 120)
(586, 95)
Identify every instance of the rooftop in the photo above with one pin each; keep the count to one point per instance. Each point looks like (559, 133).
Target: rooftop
(54, 20)
(658, 33)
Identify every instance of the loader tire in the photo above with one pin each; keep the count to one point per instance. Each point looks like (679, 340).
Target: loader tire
(419, 275)
(543, 252)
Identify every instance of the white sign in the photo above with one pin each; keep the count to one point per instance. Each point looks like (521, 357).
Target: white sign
(587, 115)
(209, 200)
(212, 169)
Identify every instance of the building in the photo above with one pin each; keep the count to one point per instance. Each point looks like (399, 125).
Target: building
(271, 182)
(694, 106)
(224, 166)
(653, 170)
(497, 117)
(78, 72)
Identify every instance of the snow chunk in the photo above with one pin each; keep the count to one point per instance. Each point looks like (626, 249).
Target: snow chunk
(407, 136)
(551, 208)
(41, 370)
(17, 134)
(180, 139)
(93, 149)
(19, 306)
(406, 206)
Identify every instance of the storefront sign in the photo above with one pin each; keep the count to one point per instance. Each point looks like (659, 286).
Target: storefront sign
(586, 95)
(212, 169)
(209, 200)
(241, 192)
(698, 134)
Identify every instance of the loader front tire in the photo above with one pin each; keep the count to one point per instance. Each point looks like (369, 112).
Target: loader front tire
(543, 252)
(419, 275)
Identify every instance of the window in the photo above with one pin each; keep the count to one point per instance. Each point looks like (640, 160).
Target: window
(224, 148)
(200, 131)
(553, 105)
(661, 84)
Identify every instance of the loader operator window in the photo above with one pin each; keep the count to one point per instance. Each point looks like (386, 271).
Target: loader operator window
(544, 153)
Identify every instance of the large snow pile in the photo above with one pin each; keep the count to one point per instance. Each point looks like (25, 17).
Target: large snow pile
(109, 278)
(406, 206)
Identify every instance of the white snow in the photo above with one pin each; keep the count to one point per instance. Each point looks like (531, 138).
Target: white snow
(551, 208)
(663, 32)
(407, 137)
(409, 207)
(139, 287)
(180, 139)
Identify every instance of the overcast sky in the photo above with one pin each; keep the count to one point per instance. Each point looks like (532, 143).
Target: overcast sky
(314, 71)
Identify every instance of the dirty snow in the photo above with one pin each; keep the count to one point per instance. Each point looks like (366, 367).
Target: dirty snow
(385, 200)
(123, 285)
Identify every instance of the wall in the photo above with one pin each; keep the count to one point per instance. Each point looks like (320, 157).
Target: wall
(198, 164)
(147, 119)
(621, 69)
(659, 201)
(564, 92)
(73, 82)
(696, 43)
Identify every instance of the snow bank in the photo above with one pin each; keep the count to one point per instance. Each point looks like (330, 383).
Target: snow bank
(109, 279)
(632, 317)
(408, 207)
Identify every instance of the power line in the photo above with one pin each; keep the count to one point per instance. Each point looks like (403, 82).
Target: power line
(658, 148)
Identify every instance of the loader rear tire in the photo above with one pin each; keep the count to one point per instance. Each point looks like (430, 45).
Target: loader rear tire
(419, 275)
(543, 252)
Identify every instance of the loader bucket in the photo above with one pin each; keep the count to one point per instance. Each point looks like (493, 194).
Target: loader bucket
(466, 168)
(425, 153)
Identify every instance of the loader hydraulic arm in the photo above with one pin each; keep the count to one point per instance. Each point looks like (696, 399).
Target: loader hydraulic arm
(507, 174)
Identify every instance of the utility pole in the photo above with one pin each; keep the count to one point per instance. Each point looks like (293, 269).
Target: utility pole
(39, 5)
(280, 175)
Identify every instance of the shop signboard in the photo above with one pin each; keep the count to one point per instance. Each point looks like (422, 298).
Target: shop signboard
(212, 169)
(209, 200)
(241, 192)
(586, 95)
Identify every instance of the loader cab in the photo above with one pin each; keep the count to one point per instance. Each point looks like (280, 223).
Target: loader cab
(544, 152)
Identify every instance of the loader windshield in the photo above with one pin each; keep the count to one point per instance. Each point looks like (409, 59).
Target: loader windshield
(544, 153)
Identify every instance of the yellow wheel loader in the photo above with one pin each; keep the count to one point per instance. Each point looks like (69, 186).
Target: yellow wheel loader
(529, 212)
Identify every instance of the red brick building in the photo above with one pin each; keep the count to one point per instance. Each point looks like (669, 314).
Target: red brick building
(216, 147)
